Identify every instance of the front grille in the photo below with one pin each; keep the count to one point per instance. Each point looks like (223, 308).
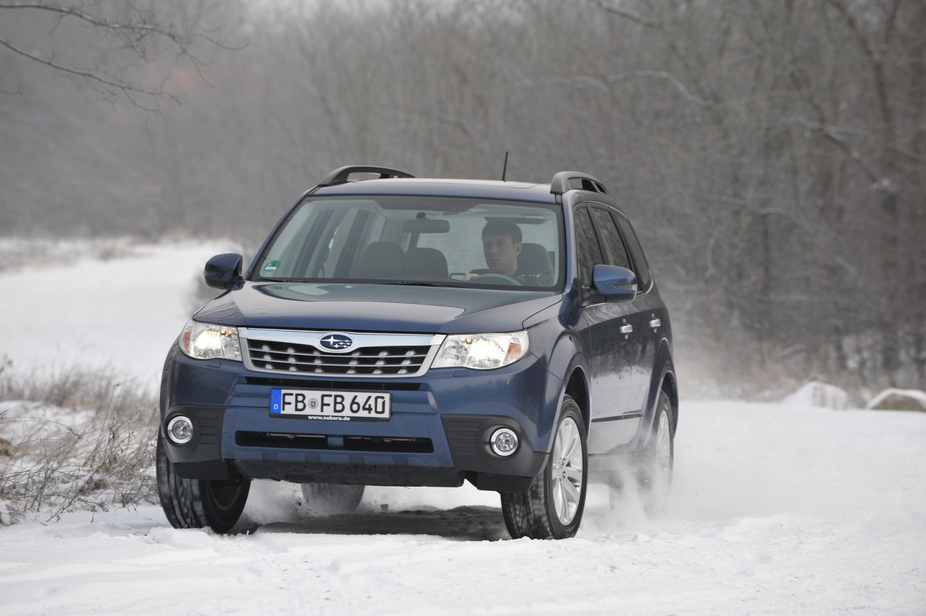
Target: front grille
(301, 353)
(305, 359)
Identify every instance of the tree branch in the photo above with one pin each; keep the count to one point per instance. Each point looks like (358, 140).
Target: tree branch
(610, 8)
(141, 28)
(110, 83)
(134, 32)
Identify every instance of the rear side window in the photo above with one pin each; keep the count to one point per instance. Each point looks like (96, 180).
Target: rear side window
(610, 238)
(640, 268)
(589, 253)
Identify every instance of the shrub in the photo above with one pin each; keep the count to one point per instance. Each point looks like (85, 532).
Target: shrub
(79, 439)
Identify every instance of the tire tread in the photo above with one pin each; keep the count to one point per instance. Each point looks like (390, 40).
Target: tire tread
(531, 513)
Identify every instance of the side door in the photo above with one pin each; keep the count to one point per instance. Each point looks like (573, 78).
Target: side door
(609, 350)
(648, 315)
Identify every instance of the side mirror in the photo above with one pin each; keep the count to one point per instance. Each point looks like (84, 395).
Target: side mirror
(223, 271)
(615, 283)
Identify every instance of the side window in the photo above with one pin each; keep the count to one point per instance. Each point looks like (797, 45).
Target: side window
(589, 253)
(610, 238)
(640, 268)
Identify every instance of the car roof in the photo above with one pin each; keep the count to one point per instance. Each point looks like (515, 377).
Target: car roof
(479, 189)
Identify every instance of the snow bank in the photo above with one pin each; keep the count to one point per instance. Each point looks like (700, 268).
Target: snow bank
(899, 400)
(819, 395)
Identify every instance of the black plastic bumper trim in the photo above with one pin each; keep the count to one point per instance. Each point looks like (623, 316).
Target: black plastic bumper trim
(356, 474)
(377, 444)
(635, 415)
(468, 438)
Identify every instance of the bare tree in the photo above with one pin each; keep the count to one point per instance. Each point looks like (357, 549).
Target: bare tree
(126, 29)
(771, 154)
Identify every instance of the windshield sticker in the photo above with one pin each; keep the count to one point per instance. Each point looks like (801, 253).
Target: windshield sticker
(272, 266)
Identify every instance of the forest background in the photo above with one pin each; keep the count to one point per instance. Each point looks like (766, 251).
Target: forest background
(771, 153)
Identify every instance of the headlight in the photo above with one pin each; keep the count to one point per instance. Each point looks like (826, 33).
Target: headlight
(207, 341)
(481, 351)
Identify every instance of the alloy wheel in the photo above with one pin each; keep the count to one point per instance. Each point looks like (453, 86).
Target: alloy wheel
(567, 471)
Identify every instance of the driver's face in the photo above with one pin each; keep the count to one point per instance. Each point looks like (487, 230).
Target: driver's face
(501, 254)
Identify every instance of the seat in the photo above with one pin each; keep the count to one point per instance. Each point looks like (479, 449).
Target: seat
(534, 260)
(382, 261)
(428, 262)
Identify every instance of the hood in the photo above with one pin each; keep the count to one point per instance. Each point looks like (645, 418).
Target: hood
(370, 307)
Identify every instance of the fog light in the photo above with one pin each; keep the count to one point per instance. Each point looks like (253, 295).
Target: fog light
(180, 429)
(504, 442)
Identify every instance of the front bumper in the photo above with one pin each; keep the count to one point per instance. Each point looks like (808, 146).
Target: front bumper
(437, 436)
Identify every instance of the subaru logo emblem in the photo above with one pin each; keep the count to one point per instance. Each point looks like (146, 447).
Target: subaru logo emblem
(337, 342)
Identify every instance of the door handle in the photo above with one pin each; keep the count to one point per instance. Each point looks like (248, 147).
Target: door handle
(626, 329)
(655, 323)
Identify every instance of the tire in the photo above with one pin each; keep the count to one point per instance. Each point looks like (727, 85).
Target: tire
(654, 472)
(198, 503)
(552, 508)
(324, 499)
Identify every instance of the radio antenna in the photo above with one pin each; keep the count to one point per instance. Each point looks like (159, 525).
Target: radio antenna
(505, 168)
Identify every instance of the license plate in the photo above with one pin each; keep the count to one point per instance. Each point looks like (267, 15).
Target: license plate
(331, 405)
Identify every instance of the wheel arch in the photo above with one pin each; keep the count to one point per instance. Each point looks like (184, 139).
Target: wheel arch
(670, 386)
(663, 379)
(567, 374)
(577, 388)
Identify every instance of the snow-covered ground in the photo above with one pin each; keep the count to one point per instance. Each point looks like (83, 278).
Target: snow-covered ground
(63, 306)
(776, 509)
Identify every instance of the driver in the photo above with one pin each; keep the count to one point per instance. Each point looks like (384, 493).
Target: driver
(501, 245)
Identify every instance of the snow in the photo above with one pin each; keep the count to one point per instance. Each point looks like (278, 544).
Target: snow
(819, 394)
(775, 509)
(905, 397)
(122, 313)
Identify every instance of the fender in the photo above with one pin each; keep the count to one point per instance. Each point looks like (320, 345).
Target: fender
(566, 359)
(663, 369)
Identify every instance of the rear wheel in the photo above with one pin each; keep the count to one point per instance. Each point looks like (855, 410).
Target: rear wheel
(197, 503)
(331, 498)
(552, 507)
(654, 474)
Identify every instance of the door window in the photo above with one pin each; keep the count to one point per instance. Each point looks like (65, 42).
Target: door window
(611, 238)
(640, 268)
(589, 253)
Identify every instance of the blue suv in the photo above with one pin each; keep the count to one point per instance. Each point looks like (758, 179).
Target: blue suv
(425, 332)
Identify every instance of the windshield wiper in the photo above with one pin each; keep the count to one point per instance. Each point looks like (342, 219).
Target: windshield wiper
(418, 283)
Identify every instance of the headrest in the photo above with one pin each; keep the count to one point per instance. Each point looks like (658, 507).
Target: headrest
(426, 262)
(382, 260)
(534, 259)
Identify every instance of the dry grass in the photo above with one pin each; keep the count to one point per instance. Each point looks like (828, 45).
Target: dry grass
(76, 440)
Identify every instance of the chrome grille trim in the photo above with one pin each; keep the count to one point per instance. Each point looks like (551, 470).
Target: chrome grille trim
(298, 352)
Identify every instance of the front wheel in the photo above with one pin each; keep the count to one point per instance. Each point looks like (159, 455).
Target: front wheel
(197, 503)
(552, 507)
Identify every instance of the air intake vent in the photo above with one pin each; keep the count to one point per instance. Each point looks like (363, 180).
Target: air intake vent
(346, 443)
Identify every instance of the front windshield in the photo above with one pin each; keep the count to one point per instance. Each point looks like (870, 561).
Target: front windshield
(418, 240)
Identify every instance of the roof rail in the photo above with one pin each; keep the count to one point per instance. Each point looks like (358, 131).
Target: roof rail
(563, 181)
(339, 176)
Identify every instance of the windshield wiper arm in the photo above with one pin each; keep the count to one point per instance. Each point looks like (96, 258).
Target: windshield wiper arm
(417, 283)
